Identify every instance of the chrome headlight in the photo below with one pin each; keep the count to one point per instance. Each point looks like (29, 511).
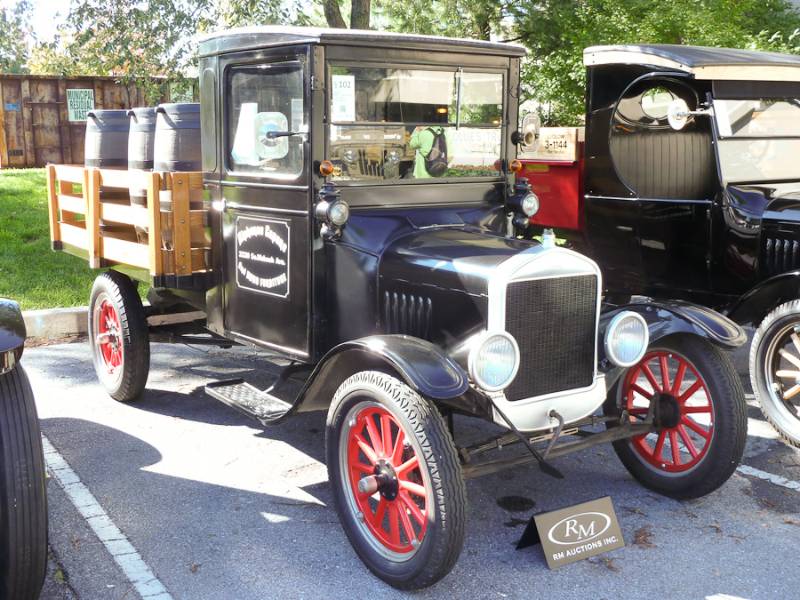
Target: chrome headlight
(626, 340)
(529, 204)
(494, 361)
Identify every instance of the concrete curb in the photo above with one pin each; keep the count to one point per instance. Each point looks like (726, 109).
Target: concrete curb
(56, 323)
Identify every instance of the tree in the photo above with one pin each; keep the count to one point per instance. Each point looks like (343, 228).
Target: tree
(557, 31)
(359, 14)
(15, 31)
(477, 19)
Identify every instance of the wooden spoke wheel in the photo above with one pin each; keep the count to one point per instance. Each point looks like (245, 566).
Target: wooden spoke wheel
(775, 370)
(691, 390)
(396, 479)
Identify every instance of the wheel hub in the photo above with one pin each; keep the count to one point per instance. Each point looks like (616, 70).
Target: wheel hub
(386, 480)
(668, 411)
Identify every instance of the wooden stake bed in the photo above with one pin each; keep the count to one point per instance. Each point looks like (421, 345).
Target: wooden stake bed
(176, 245)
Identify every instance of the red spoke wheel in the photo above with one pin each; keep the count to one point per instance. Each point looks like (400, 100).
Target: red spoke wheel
(118, 336)
(396, 479)
(695, 396)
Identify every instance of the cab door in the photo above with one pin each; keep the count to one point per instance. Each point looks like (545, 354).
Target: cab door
(265, 200)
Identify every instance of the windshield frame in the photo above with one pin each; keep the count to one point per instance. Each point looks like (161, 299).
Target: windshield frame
(453, 67)
(722, 140)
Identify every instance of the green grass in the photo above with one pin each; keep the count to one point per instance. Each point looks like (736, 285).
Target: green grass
(30, 272)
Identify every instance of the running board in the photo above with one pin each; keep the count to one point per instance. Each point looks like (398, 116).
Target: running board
(248, 399)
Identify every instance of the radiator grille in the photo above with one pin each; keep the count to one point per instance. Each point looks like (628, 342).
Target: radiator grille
(780, 255)
(407, 313)
(553, 321)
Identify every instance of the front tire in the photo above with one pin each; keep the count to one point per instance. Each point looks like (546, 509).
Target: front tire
(775, 370)
(396, 480)
(118, 336)
(23, 496)
(704, 422)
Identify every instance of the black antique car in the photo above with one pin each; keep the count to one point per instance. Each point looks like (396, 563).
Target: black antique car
(690, 182)
(400, 298)
(23, 498)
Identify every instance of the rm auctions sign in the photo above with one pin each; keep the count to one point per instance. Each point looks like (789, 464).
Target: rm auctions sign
(578, 532)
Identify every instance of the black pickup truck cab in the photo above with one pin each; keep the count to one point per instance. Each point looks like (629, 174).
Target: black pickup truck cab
(401, 293)
(23, 498)
(691, 189)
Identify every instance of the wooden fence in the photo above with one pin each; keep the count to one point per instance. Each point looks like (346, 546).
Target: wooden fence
(42, 118)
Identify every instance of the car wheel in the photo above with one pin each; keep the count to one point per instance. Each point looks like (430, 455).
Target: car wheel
(118, 336)
(396, 480)
(775, 370)
(23, 496)
(700, 439)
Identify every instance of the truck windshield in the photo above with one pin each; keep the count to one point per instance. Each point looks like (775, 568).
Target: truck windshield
(759, 139)
(392, 123)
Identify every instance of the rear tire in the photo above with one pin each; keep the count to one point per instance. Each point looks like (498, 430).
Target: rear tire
(118, 336)
(23, 495)
(778, 396)
(409, 531)
(700, 449)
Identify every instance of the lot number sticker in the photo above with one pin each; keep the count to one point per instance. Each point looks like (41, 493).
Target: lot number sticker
(79, 102)
(262, 256)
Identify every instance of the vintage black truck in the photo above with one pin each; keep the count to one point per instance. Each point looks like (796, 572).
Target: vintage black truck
(23, 498)
(397, 299)
(690, 188)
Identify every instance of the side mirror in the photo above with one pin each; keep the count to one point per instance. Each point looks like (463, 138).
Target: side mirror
(678, 113)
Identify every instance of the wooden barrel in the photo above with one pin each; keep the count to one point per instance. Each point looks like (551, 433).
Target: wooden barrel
(106, 142)
(141, 139)
(177, 138)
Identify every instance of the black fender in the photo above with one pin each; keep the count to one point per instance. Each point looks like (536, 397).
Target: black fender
(12, 334)
(675, 316)
(759, 301)
(423, 366)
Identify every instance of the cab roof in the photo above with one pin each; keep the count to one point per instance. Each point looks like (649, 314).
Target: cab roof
(701, 62)
(252, 38)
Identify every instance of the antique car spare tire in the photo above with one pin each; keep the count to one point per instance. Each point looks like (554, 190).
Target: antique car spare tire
(23, 498)
(701, 421)
(118, 336)
(775, 369)
(396, 480)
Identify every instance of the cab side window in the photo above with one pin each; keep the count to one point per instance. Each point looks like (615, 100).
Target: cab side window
(267, 124)
(654, 160)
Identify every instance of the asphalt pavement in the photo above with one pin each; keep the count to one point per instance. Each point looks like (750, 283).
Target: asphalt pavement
(215, 506)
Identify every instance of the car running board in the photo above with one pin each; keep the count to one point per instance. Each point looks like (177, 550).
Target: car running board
(260, 405)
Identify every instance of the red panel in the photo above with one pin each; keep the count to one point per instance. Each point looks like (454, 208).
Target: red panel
(559, 186)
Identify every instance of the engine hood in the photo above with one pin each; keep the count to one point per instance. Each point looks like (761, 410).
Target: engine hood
(452, 259)
(767, 201)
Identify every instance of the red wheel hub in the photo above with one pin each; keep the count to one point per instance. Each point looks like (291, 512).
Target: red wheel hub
(671, 379)
(386, 480)
(109, 339)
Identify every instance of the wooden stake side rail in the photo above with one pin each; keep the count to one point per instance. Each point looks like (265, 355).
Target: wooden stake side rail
(75, 218)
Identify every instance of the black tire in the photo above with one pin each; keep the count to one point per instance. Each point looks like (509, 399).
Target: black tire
(124, 367)
(719, 454)
(430, 555)
(772, 335)
(23, 496)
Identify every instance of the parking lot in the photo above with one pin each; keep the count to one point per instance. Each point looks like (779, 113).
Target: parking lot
(214, 506)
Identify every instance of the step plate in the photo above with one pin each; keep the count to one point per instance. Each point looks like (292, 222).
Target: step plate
(249, 399)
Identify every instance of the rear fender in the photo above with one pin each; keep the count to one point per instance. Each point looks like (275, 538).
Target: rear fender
(12, 334)
(759, 301)
(420, 364)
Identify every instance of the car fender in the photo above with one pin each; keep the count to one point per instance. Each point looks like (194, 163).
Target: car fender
(759, 301)
(672, 317)
(423, 366)
(12, 334)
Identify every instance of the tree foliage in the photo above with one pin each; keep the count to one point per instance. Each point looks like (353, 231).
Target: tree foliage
(557, 31)
(477, 19)
(15, 31)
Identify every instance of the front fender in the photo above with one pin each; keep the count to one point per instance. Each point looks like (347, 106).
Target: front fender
(671, 317)
(12, 334)
(421, 365)
(754, 305)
